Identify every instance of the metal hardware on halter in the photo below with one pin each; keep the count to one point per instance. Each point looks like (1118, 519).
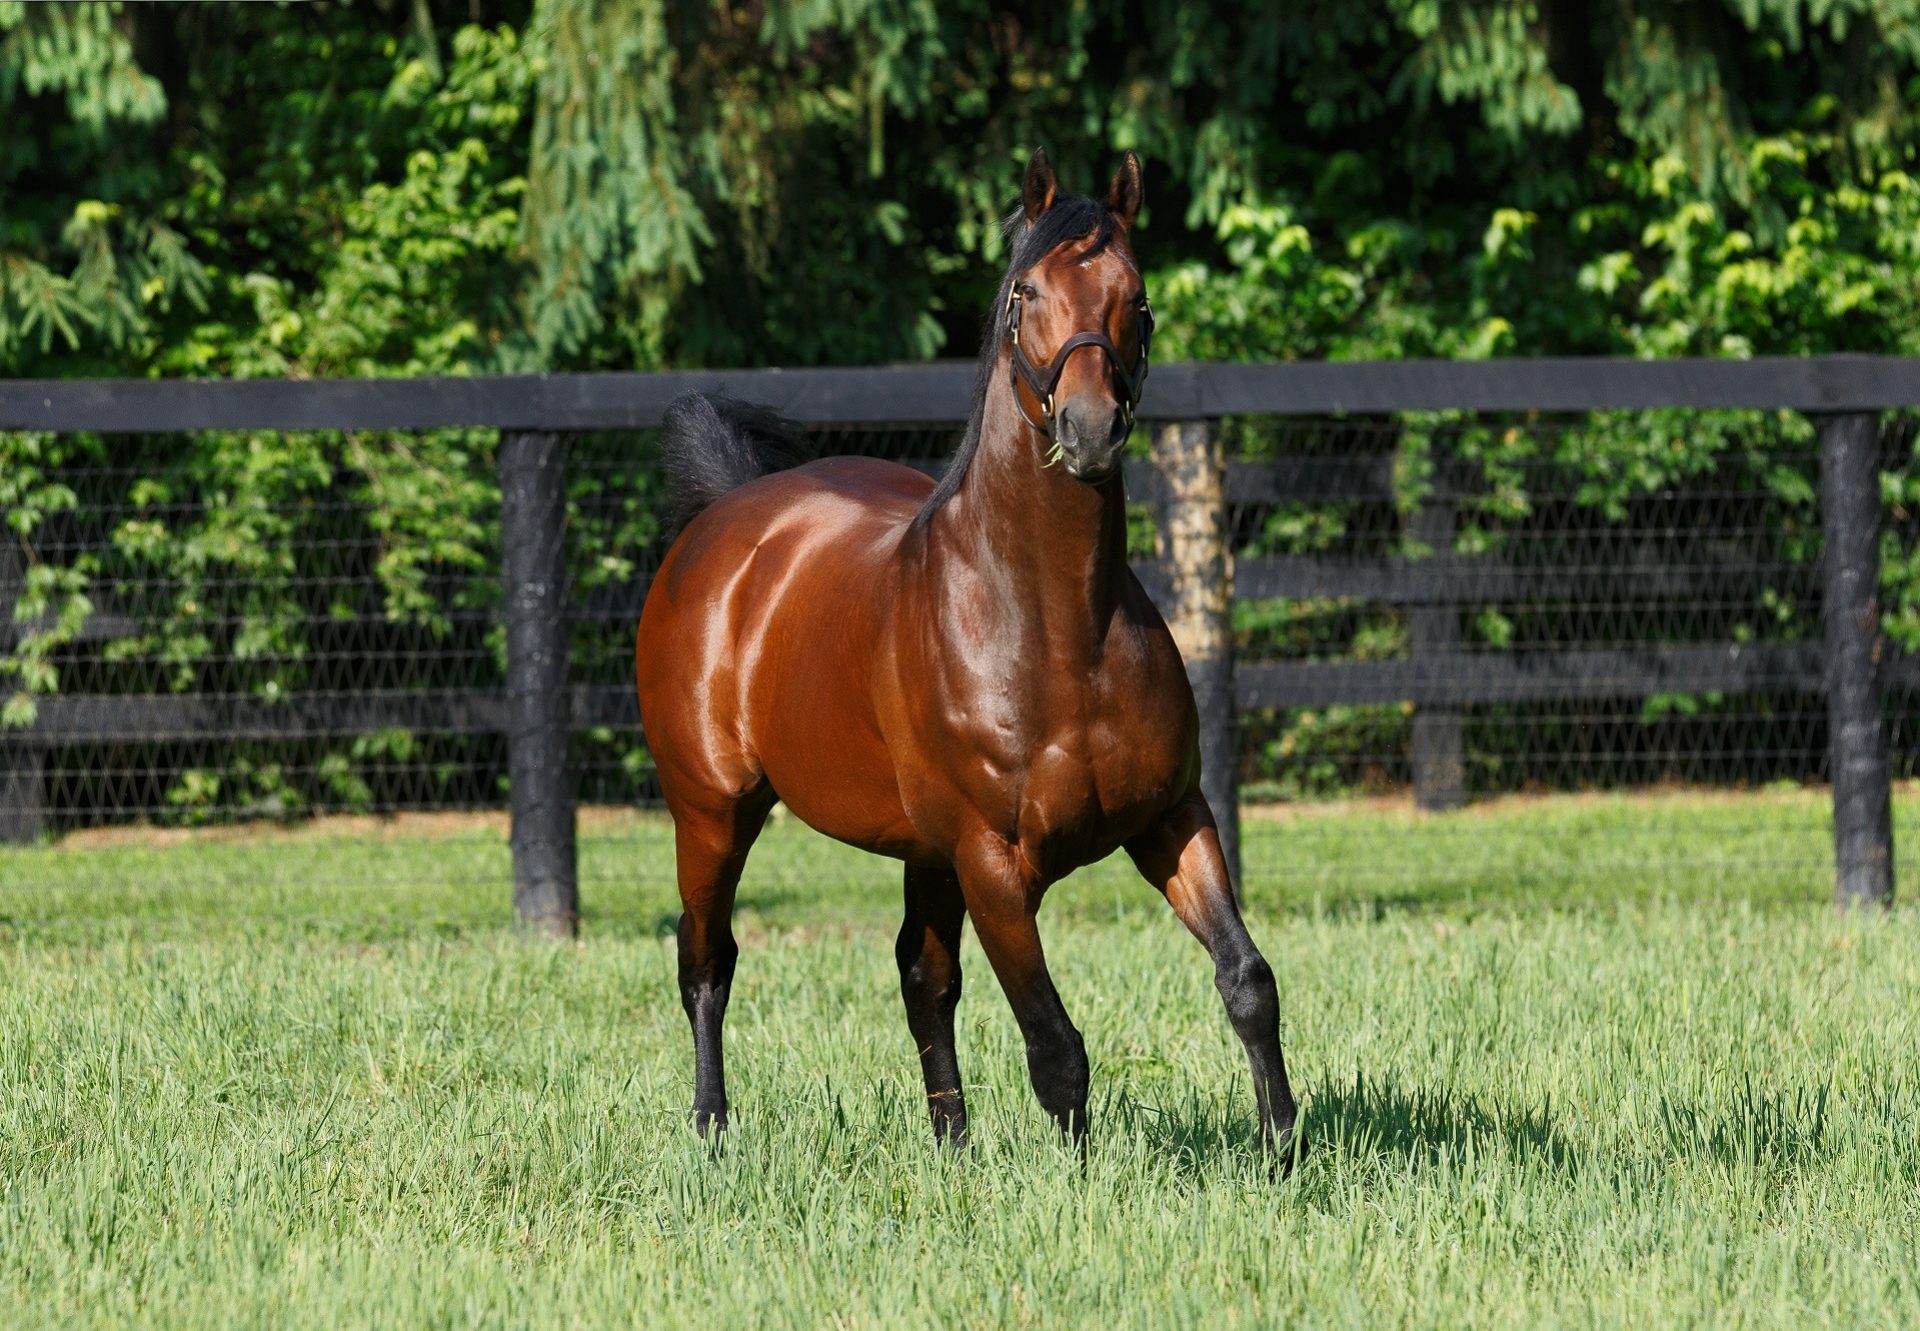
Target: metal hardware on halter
(1042, 383)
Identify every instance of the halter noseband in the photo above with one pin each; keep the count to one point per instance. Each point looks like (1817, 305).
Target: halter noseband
(1042, 381)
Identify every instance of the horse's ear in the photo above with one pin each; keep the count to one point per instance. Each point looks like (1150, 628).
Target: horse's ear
(1127, 191)
(1037, 194)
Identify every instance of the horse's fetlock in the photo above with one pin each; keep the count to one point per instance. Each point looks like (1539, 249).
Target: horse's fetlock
(1061, 1073)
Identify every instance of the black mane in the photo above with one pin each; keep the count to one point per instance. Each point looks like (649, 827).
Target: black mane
(1072, 217)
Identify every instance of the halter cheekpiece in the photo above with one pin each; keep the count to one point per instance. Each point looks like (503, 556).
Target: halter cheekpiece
(1041, 381)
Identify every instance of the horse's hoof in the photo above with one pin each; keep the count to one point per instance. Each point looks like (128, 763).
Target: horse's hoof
(710, 1123)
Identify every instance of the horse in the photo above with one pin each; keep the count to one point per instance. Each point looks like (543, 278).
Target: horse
(964, 676)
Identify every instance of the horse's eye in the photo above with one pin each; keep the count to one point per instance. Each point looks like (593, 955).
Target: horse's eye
(1028, 291)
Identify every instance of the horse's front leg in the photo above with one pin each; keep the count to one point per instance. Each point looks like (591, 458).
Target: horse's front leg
(1181, 856)
(1002, 903)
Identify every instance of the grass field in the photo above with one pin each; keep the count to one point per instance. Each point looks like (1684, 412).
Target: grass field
(1586, 1062)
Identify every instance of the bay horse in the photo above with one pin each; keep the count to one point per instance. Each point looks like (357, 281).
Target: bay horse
(966, 676)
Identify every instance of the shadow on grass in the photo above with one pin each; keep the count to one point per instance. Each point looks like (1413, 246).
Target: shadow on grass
(1423, 1125)
(1748, 1128)
(1197, 1137)
(1361, 1120)
(1772, 1130)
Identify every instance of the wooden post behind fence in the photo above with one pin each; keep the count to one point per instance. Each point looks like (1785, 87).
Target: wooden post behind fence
(533, 514)
(1850, 523)
(1439, 731)
(22, 790)
(1200, 609)
(22, 797)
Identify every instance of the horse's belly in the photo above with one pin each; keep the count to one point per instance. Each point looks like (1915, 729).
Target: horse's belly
(848, 793)
(813, 728)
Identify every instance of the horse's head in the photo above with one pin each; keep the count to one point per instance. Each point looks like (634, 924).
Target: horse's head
(1077, 319)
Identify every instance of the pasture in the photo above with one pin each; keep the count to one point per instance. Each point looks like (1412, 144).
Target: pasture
(1565, 1062)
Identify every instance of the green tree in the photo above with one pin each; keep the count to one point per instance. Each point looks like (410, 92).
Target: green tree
(355, 187)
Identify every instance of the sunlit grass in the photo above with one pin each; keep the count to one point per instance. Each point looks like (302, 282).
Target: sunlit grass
(369, 877)
(314, 1081)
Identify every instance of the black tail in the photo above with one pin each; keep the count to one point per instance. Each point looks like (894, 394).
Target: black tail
(713, 443)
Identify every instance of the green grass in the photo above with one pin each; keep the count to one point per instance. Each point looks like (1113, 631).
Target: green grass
(1578, 1063)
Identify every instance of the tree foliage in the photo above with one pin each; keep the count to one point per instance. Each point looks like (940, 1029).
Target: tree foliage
(356, 187)
(394, 187)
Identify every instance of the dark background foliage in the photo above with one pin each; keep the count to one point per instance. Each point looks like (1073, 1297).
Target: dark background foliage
(393, 188)
(449, 186)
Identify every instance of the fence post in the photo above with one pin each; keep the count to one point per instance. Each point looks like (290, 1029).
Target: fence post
(1200, 609)
(533, 514)
(1439, 733)
(22, 762)
(23, 813)
(1850, 523)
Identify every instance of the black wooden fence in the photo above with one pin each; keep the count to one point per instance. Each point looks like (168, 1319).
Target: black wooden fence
(1193, 488)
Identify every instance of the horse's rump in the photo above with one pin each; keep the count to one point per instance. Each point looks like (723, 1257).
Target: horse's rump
(771, 600)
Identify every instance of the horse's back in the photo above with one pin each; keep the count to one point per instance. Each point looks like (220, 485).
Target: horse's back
(757, 644)
(820, 503)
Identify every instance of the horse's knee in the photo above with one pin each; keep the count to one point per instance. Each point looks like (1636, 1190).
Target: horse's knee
(707, 960)
(707, 942)
(1246, 984)
(932, 995)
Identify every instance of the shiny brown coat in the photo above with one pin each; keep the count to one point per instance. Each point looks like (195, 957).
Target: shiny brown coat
(975, 684)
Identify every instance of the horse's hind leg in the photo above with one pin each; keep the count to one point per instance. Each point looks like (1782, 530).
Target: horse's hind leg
(710, 848)
(929, 955)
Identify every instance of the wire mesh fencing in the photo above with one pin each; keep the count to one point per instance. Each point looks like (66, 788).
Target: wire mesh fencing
(1477, 613)
(1440, 621)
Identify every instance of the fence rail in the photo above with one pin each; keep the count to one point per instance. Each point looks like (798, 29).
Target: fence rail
(1192, 486)
(939, 393)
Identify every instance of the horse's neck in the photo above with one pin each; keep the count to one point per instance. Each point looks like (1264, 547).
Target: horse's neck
(1053, 548)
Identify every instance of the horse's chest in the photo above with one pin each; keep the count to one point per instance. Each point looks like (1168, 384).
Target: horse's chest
(1088, 786)
(1063, 759)
(1086, 768)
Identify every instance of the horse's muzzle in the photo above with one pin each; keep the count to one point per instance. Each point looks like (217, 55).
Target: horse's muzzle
(1091, 440)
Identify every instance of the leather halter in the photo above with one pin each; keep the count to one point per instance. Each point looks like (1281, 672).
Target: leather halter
(1041, 381)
